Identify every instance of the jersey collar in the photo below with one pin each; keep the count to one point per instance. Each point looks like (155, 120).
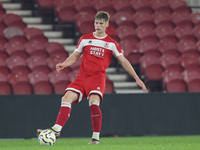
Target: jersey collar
(99, 37)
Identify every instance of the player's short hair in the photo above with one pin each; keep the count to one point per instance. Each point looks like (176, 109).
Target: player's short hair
(102, 15)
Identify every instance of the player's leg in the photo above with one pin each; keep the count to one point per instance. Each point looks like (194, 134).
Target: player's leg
(65, 110)
(96, 117)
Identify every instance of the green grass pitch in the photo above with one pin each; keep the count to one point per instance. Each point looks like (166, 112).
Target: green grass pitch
(119, 143)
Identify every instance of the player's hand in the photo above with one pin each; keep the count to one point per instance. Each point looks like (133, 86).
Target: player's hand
(60, 67)
(142, 85)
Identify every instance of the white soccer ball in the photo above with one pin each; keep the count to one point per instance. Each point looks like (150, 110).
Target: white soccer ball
(47, 137)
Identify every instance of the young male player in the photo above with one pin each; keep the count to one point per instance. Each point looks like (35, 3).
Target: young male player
(97, 49)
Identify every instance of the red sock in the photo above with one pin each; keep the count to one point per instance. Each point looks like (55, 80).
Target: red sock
(96, 118)
(64, 114)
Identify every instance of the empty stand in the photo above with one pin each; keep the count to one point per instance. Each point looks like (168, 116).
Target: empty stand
(5, 88)
(35, 34)
(142, 6)
(187, 46)
(15, 63)
(123, 18)
(189, 61)
(123, 6)
(179, 6)
(109, 89)
(161, 6)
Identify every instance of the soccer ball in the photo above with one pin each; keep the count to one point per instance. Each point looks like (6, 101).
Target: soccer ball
(47, 137)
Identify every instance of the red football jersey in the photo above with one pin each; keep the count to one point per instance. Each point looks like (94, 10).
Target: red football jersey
(96, 53)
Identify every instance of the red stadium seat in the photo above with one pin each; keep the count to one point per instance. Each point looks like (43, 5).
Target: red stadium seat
(127, 32)
(170, 63)
(76, 65)
(146, 33)
(15, 63)
(3, 41)
(104, 5)
(22, 88)
(182, 19)
(35, 47)
(151, 67)
(123, 6)
(2, 27)
(84, 23)
(168, 47)
(186, 46)
(72, 75)
(37, 63)
(173, 82)
(109, 89)
(161, 6)
(59, 81)
(11, 32)
(196, 32)
(162, 19)
(51, 47)
(3, 55)
(195, 18)
(5, 88)
(148, 47)
(53, 60)
(142, 6)
(3, 69)
(10, 18)
(84, 6)
(143, 19)
(14, 47)
(179, 6)
(184, 33)
(130, 51)
(18, 76)
(189, 61)
(40, 83)
(34, 34)
(44, 4)
(122, 18)
(164, 32)
(192, 78)
(2, 12)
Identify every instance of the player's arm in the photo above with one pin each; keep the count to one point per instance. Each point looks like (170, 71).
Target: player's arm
(69, 61)
(128, 67)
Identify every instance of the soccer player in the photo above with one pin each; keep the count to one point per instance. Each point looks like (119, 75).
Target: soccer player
(97, 49)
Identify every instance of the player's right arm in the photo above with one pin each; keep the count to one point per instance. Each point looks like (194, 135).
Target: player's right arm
(69, 61)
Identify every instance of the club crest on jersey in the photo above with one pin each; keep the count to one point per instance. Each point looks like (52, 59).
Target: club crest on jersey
(106, 45)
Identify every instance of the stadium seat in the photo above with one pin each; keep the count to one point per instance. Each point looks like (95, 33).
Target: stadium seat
(3, 69)
(192, 78)
(22, 88)
(3, 41)
(130, 51)
(148, 47)
(15, 63)
(76, 65)
(40, 83)
(195, 18)
(5, 88)
(142, 6)
(127, 32)
(123, 18)
(32, 33)
(14, 47)
(182, 19)
(123, 6)
(164, 32)
(38, 64)
(84, 23)
(168, 47)
(59, 81)
(55, 59)
(179, 6)
(2, 12)
(186, 46)
(51, 47)
(162, 19)
(189, 61)
(143, 19)
(161, 6)
(2, 27)
(104, 5)
(184, 33)
(84, 6)
(44, 4)
(3, 55)
(13, 32)
(10, 19)
(173, 82)
(151, 67)
(109, 89)
(170, 63)
(18, 76)
(196, 31)
(146, 33)
(72, 75)
(35, 47)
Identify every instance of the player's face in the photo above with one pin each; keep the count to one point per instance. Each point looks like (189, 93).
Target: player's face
(100, 26)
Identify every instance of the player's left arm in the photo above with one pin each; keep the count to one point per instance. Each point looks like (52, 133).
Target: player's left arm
(128, 67)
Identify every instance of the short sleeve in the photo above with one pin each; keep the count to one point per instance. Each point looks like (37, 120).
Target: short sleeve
(116, 49)
(79, 46)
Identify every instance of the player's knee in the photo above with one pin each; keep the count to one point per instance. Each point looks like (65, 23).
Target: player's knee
(94, 102)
